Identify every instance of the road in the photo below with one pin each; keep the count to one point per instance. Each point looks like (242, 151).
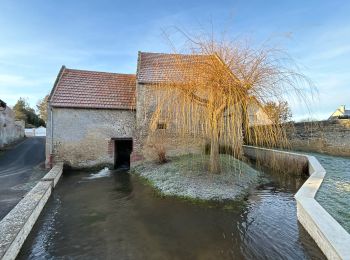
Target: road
(21, 167)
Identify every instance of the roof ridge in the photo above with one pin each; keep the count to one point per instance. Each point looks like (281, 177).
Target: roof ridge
(105, 72)
(180, 54)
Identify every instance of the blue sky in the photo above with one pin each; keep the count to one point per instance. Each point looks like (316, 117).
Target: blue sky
(38, 37)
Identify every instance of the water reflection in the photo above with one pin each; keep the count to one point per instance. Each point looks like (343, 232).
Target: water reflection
(117, 217)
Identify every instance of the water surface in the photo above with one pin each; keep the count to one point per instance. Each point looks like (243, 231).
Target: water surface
(334, 193)
(118, 217)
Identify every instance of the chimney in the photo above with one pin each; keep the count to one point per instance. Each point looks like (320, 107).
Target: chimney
(342, 109)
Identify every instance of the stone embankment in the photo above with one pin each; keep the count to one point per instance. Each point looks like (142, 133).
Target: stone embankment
(17, 224)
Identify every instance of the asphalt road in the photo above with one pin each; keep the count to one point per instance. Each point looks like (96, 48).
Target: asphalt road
(21, 167)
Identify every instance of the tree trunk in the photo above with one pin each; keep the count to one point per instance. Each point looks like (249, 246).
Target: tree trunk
(214, 166)
(214, 163)
(245, 123)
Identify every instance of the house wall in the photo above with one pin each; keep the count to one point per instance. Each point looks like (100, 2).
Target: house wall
(257, 116)
(330, 137)
(339, 112)
(10, 129)
(82, 137)
(173, 142)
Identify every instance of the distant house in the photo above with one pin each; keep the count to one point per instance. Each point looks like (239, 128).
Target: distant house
(100, 118)
(340, 113)
(257, 115)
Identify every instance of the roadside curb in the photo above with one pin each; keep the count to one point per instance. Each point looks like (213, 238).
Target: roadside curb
(17, 224)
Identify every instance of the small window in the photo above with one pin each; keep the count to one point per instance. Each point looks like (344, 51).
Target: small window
(161, 126)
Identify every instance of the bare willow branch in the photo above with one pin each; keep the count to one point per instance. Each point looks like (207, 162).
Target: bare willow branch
(209, 93)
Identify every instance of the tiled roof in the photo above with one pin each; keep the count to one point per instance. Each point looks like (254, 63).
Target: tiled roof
(91, 89)
(161, 67)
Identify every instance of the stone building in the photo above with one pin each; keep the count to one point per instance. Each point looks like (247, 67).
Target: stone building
(10, 129)
(154, 70)
(89, 113)
(99, 118)
(257, 115)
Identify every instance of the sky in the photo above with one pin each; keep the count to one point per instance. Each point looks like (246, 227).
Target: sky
(38, 37)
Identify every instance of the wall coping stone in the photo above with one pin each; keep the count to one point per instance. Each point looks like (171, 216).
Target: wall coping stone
(17, 224)
(330, 236)
(54, 174)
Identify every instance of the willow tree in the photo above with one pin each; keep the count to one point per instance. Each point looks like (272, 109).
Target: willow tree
(208, 92)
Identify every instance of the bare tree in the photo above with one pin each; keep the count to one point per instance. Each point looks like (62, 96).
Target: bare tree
(208, 91)
(279, 113)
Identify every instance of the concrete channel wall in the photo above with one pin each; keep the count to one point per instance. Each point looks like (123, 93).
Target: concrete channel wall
(330, 236)
(17, 224)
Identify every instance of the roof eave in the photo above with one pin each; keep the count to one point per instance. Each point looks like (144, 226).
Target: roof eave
(58, 78)
(91, 107)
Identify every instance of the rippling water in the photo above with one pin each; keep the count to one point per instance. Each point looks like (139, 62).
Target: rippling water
(118, 217)
(334, 193)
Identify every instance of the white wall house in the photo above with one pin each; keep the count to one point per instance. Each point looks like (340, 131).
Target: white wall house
(340, 113)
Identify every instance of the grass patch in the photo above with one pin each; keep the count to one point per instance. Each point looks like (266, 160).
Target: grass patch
(229, 205)
(187, 178)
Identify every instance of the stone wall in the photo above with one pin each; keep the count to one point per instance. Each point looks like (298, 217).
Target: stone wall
(174, 139)
(10, 129)
(83, 137)
(148, 143)
(329, 137)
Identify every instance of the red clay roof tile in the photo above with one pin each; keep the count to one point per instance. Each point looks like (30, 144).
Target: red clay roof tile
(162, 67)
(92, 89)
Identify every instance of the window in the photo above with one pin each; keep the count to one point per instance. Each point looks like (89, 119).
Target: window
(161, 126)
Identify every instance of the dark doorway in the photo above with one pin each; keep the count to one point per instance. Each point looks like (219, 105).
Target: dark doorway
(122, 151)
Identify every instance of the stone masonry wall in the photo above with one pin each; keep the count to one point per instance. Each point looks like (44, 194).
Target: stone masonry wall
(174, 143)
(146, 144)
(82, 137)
(330, 137)
(10, 129)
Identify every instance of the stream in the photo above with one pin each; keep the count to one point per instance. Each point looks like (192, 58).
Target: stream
(114, 215)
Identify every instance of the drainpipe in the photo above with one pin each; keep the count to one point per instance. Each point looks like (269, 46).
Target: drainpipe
(50, 159)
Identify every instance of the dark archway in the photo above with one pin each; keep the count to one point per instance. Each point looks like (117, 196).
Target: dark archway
(122, 151)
